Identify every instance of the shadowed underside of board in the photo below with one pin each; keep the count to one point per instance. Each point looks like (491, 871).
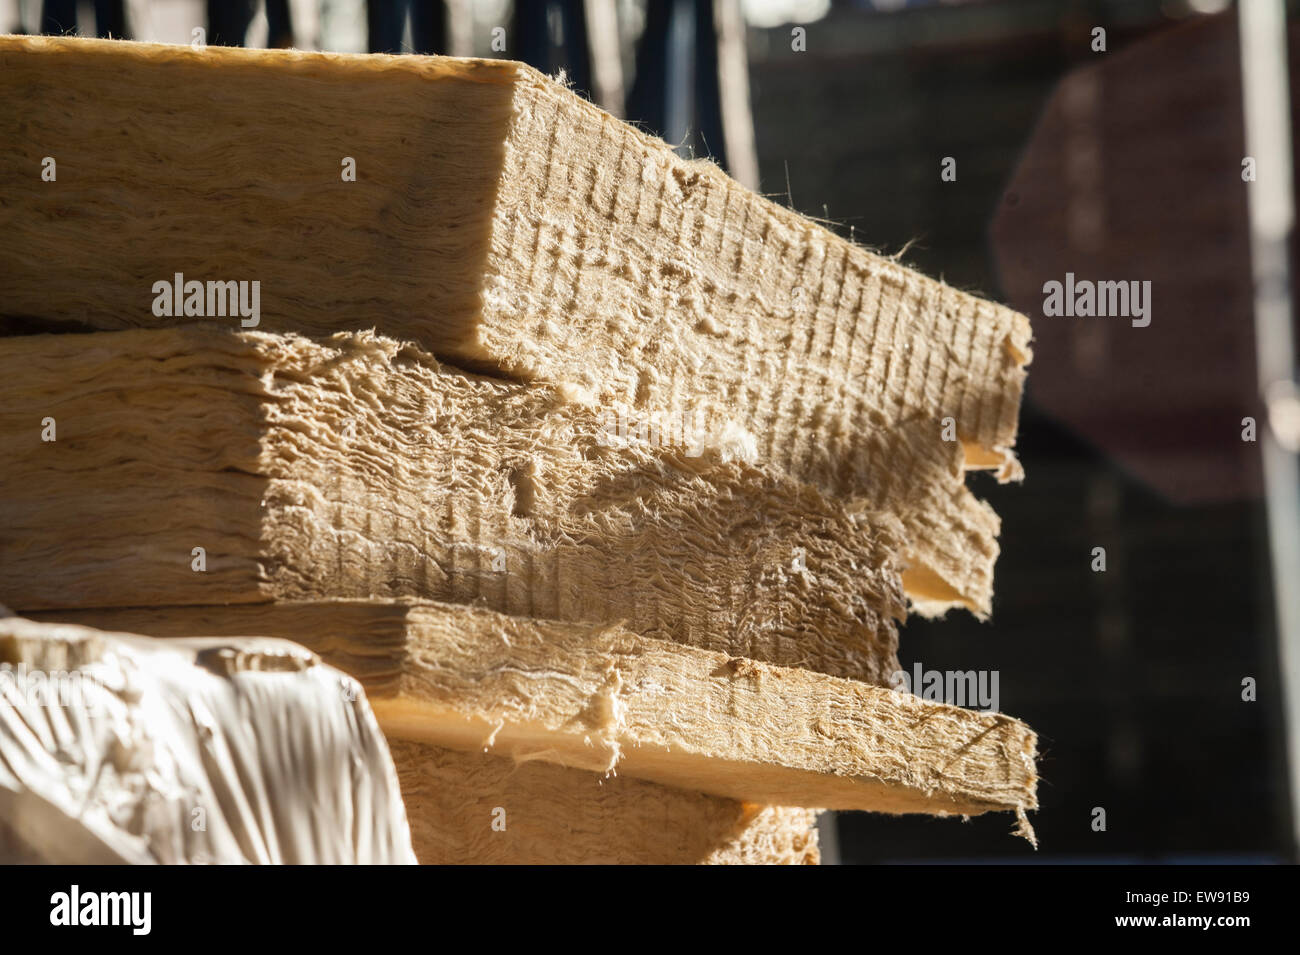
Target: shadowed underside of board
(502, 222)
(360, 467)
(488, 810)
(607, 700)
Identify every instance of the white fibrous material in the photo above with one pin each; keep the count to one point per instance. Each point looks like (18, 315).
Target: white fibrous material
(123, 749)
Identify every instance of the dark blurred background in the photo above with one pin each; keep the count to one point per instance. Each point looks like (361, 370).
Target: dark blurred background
(1120, 163)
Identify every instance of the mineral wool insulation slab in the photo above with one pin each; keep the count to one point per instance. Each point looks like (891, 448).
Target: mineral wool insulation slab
(119, 749)
(504, 223)
(201, 465)
(604, 699)
(488, 810)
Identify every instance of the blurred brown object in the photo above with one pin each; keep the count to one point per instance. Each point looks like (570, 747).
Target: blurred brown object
(1135, 172)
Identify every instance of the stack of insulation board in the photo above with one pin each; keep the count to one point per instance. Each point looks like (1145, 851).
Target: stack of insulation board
(609, 480)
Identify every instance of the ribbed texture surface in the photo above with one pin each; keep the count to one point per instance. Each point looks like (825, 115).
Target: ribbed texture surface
(360, 467)
(663, 285)
(513, 226)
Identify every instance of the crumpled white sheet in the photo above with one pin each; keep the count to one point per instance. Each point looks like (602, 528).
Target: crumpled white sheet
(124, 749)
